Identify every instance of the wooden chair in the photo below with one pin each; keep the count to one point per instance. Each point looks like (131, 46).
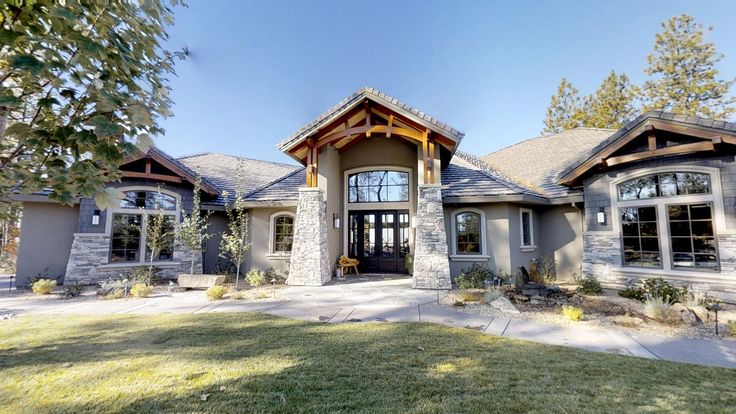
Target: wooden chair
(347, 263)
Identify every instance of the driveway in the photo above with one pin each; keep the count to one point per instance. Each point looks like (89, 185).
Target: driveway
(392, 300)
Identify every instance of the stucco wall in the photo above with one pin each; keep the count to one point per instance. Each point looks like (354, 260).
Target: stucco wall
(260, 235)
(46, 235)
(561, 235)
(330, 180)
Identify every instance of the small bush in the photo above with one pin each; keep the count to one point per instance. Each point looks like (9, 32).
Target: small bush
(548, 268)
(572, 313)
(469, 296)
(216, 292)
(590, 286)
(238, 295)
(409, 263)
(148, 275)
(694, 299)
(115, 293)
(140, 290)
(492, 295)
(474, 277)
(458, 304)
(255, 277)
(731, 326)
(656, 287)
(43, 286)
(73, 290)
(261, 295)
(657, 307)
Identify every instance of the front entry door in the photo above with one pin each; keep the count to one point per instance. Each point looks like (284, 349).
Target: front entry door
(379, 239)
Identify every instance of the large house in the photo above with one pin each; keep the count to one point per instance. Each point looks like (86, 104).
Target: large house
(379, 180)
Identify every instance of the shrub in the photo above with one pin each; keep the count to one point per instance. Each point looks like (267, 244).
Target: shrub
(458, 303)
(238, 295)
(43, 286)
(548, 268)
(694, 299)
(111, 284)
(731, 326)
(409, 263)
(216, 292)
(469, 296)
(115, 293)
(147, 275)
(261, 295)
(492, 294)
(140, 290)
(572, 313)
(590, 286)
(255, 277)
(657, 307)
(657, 287)
(73, 290)
(474, 277)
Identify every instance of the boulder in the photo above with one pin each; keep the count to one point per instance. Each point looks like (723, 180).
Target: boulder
(504, 305)
(701, 312)
(680, 312)
(200, 281)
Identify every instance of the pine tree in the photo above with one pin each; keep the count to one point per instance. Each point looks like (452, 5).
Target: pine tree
(612, 105)
(564, 110)
(684, 75)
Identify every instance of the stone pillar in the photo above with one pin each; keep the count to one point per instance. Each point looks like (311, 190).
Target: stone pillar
(431, 261)
(310, 260)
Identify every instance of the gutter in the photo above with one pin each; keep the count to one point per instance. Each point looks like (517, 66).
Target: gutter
(515, 198)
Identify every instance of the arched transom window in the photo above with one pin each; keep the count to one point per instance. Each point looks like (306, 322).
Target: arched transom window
(282, 235)
(378, 186)
(139, 211)
(468, 238)
(667, 221)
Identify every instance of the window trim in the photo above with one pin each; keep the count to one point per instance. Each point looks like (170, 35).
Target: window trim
(531, 246)
(271, 228)
(715, 197)
(379, 170)
(659, 237)
(144, 223)
(469, 257)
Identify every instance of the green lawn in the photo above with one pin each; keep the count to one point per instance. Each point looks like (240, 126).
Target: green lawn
(257, 363)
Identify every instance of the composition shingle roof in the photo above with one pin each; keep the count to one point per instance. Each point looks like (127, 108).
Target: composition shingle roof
(283, 189)
(537, 162)
(469, 176)
(221, 170)
(666, 116)
(377, 96)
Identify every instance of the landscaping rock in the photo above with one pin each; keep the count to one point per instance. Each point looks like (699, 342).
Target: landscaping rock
(505, 305)
(680, 312)
(521, 298)
(200, 281)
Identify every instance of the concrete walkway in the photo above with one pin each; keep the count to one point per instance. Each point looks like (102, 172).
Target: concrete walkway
(393, 301)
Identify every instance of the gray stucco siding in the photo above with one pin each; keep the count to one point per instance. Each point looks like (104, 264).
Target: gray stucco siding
(46, 235)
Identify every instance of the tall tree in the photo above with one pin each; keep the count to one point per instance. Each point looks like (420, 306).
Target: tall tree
(684, 74)
(564, 110)
(612, 105)
(235, 244)
(81, 82)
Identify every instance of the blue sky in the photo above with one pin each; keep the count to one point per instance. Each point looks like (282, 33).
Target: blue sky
(259, 70)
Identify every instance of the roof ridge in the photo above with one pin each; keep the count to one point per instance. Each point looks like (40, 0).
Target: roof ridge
(283, 177)
(237, 157)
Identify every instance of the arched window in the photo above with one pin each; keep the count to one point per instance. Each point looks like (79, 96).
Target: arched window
(378, 187)
(282, 233)
(130, 223)
(664, 185)
(468, 234)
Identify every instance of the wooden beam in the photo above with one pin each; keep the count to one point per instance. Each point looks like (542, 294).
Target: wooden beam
(668, 151)
(367, 129)
(310, 173)
(159, 177)
(148, 165)
(390, 124)
(651, 137)
(367, 107)
(425, 154)
(431, 159)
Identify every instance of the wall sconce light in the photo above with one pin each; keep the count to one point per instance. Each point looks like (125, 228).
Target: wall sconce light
(601, 215)
(335, 221)
(96, 218)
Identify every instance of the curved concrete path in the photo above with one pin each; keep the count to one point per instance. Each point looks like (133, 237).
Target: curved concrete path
(394, 301)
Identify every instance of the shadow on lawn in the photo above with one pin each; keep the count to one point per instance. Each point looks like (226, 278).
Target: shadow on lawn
(372, 367)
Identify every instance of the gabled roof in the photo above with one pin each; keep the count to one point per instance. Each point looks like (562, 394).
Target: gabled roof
(174, 165)
(378, 97)
(221, 170)
(719, 131)
(285, 189)
(536, 162)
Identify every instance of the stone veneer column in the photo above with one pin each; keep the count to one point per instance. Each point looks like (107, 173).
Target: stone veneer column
(431, 262)
(310, 260)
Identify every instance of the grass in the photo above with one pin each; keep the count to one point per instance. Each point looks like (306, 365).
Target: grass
(258, 363)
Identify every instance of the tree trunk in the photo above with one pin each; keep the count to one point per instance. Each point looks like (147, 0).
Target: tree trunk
(237, 276)
(191, 267)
